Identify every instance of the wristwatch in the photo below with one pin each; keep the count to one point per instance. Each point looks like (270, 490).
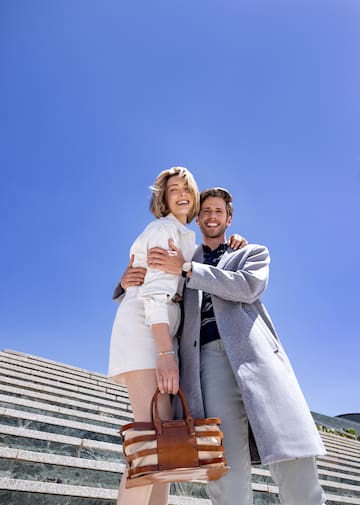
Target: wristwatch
(187, 266)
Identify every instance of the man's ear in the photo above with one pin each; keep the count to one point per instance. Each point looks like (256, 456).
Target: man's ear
(197, 220)
(228, 221)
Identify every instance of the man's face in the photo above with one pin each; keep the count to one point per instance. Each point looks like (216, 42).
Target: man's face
(213, 219)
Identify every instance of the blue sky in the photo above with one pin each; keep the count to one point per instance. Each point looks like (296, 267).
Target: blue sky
(97, 97)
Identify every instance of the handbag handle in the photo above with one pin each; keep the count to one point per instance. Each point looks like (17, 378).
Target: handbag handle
(154, 412)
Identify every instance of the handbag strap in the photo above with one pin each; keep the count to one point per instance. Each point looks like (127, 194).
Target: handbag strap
(154, 412)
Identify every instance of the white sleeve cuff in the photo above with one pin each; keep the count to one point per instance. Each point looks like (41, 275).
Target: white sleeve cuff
(156, 309)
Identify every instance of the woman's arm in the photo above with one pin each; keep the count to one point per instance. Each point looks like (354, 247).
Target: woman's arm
(167, 370)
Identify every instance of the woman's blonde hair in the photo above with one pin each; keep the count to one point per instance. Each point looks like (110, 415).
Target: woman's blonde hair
(158, 205)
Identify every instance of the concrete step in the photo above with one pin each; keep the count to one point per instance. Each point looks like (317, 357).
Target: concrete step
(53, 443)
(347, 464)
(66, 470)
(46, 409)
(37, 467)
(60, 401)
(19, 357)
(342, 442)
(39, 387)
(59, 442)
(27, 492)
(60, 377)
(34, 381)
(50, 424)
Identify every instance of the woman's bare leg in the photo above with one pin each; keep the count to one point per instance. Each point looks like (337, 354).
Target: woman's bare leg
(159, 494)
(141, 385)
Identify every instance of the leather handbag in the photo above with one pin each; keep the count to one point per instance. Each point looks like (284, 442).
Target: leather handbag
(173, 451)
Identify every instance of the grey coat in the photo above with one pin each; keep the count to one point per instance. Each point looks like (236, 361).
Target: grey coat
(278, 414)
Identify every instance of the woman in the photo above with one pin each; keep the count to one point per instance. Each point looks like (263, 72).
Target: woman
(143, 353)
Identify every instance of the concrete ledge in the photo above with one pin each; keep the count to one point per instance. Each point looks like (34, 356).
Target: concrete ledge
(56, 459)
(58, 421)
(336, 450)
(340, 475)
(348, 488)
(111, 494)
(347, 472)
(87, 378)
(124, 408)
(187, 500)
(58, 489)
(341, 499)
(62, 375)
(36, 405)
(21, 356)
(81, 443)
(59, 377)
(61, 393)
(335, 443)
(90, 492)
(92, 392)
(54, 367)
(341, 441)
(346, 463)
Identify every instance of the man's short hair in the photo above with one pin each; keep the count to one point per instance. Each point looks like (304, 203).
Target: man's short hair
(218, 193)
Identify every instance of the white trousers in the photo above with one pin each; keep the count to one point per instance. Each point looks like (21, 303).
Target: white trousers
(296, 479)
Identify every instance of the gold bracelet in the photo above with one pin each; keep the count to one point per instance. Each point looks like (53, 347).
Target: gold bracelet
(161, 354)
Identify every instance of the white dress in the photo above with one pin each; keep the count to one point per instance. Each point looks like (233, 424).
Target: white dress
(132, 345)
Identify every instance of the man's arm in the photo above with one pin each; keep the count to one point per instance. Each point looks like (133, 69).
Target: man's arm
(168, 260)
(172, 260)
(133, 276)
(244, 283)
(244, 279)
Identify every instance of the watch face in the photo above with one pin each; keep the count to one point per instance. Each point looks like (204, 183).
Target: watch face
(186, 267)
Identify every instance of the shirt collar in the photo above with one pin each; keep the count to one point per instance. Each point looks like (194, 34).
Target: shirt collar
(172, 218)
(221, 248)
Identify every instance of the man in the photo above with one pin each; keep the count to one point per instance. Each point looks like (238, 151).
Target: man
(232, 364)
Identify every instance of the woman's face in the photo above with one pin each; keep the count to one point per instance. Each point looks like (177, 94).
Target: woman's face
(179, 198)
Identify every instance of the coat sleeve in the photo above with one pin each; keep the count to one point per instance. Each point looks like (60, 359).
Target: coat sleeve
(243, 278)
(118, 293)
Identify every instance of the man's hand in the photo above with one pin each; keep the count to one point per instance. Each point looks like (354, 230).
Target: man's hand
(133, 276)
(169, 261)
(237, 241)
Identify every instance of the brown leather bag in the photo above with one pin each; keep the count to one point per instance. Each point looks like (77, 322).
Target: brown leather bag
(173, 451)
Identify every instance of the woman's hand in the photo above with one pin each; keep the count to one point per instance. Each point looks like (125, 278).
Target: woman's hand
(167, 374)
(237, 241)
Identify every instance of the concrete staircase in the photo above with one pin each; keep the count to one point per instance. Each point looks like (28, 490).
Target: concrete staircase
(59, 442)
